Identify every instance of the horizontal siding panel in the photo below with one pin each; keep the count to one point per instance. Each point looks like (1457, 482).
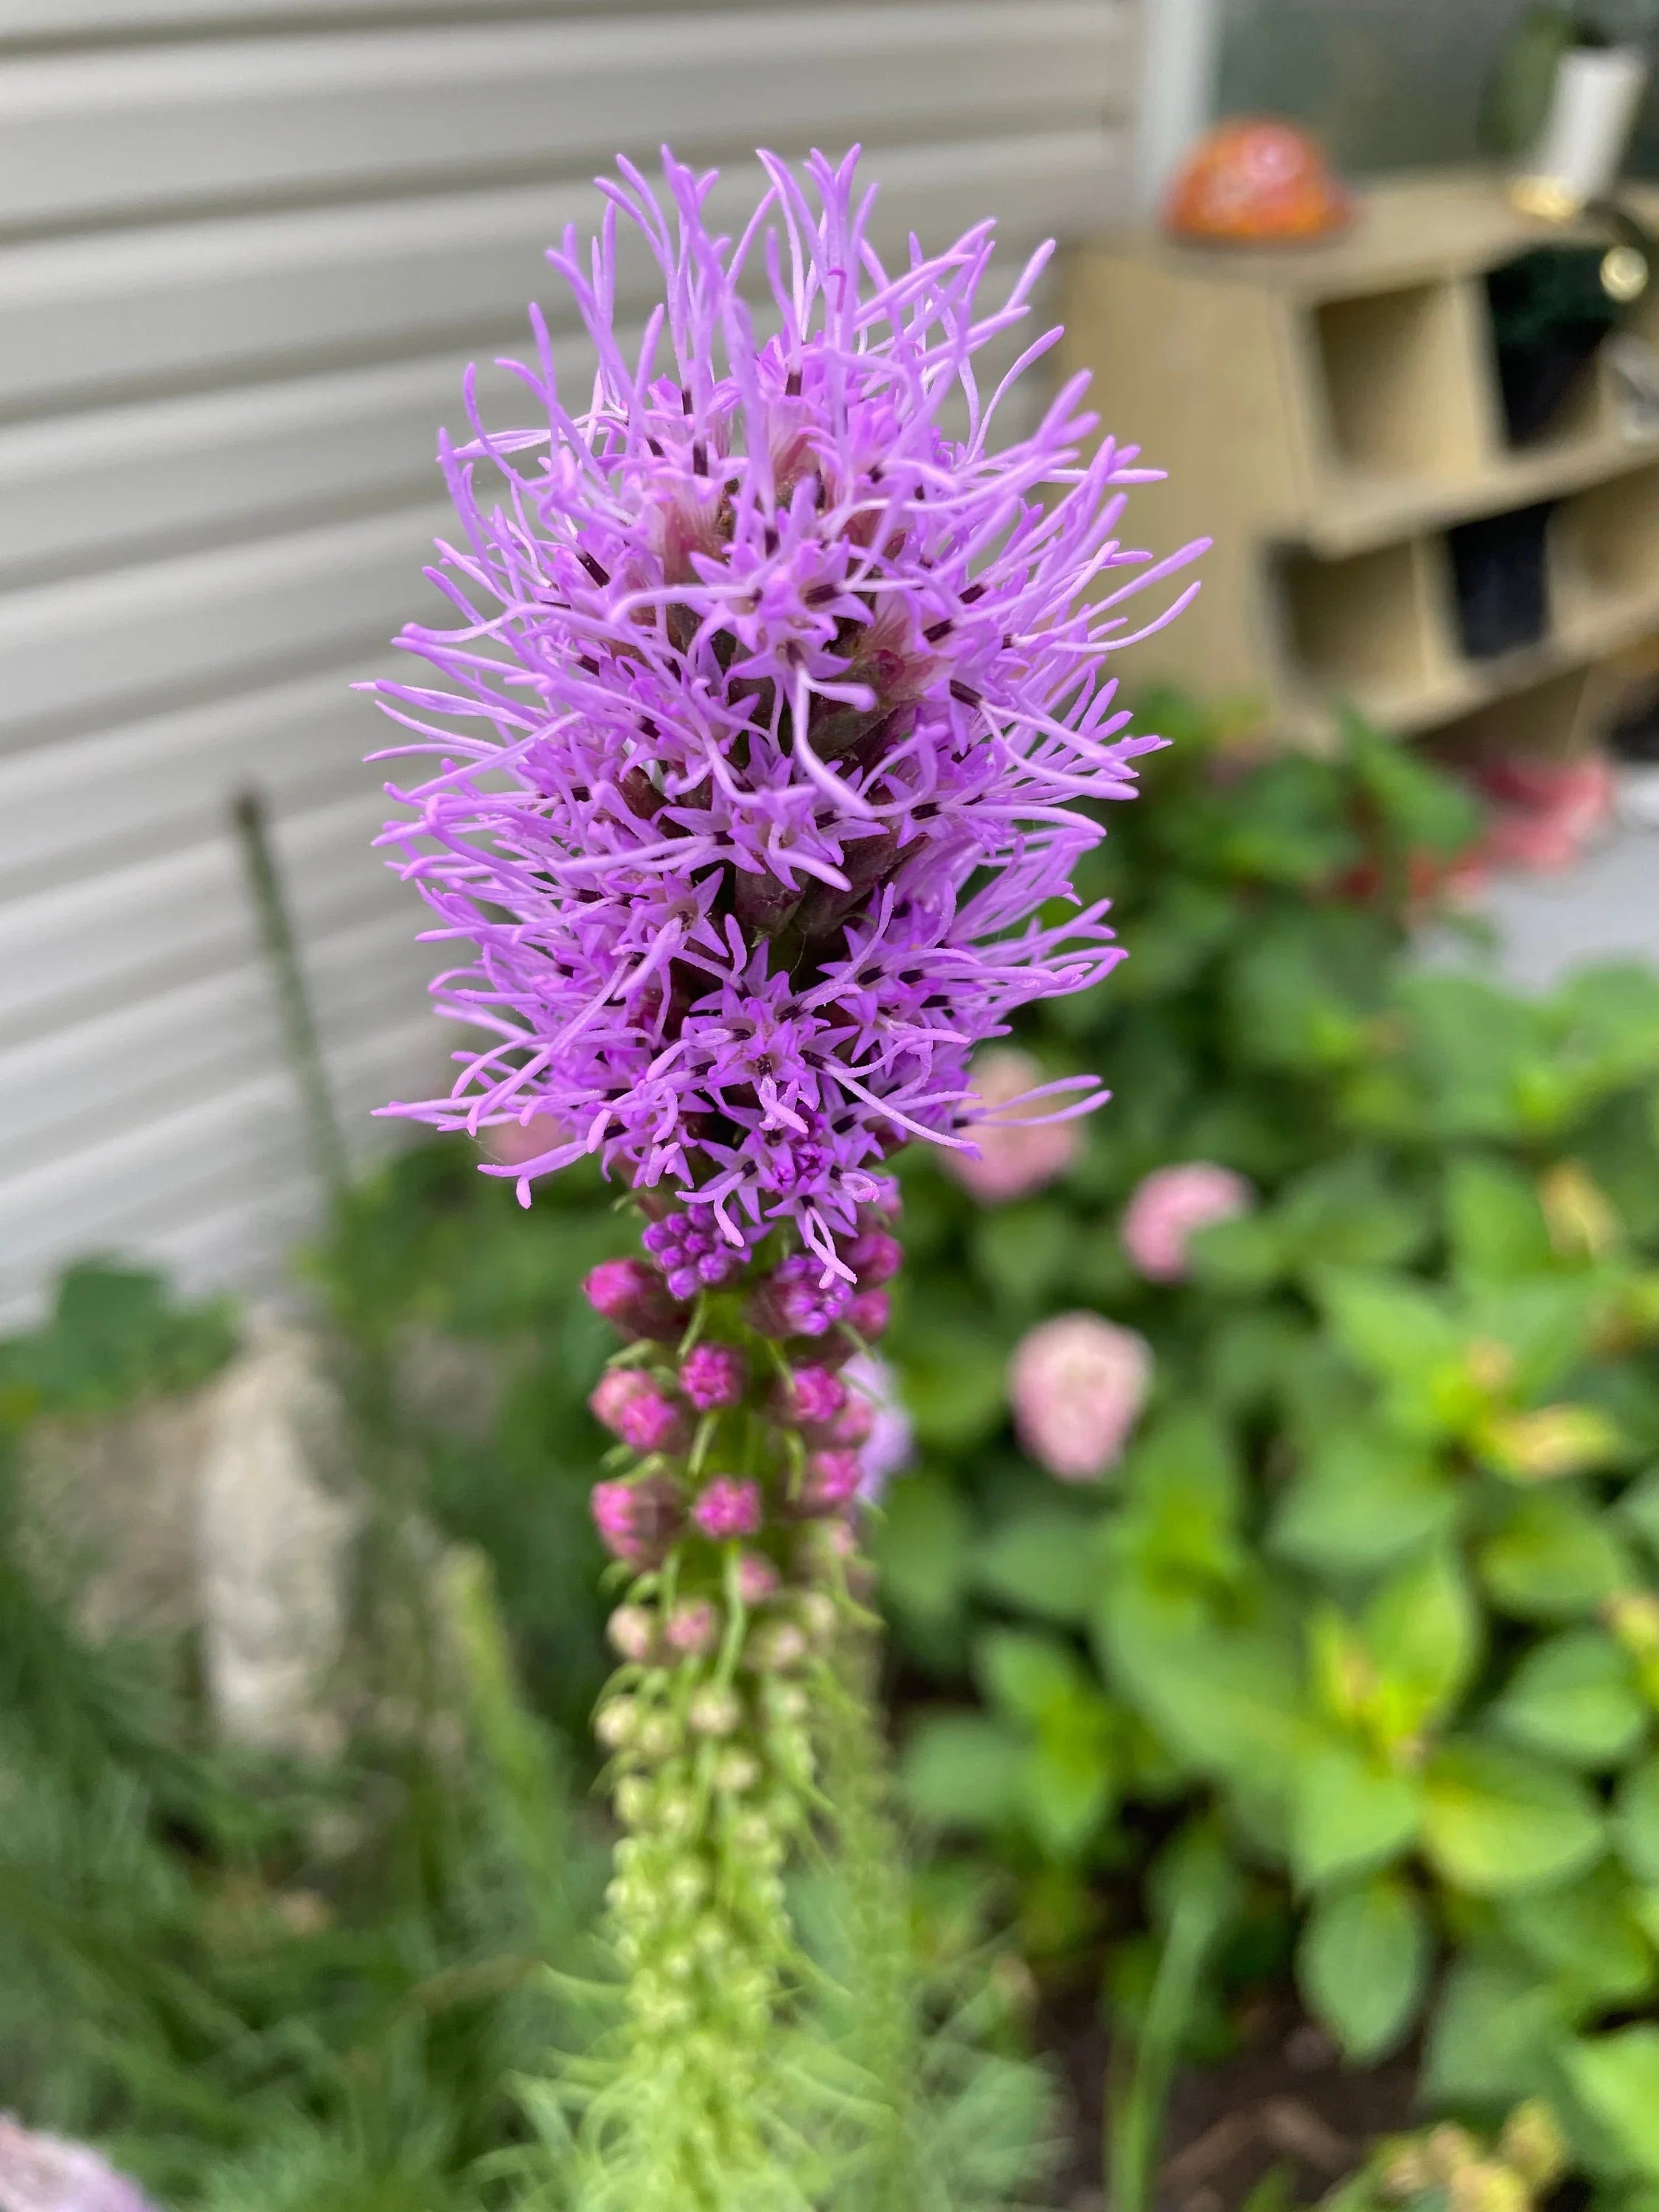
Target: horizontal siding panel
(94, 313)
(233, 1142)
(87, 647)
(80, 1085)
(166, 780)
(87, 135)
(125, 930)
(100, 485)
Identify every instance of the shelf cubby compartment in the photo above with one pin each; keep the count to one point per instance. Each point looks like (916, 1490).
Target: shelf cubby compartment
(1549, 385)
(1369, 627)
(1403, 396)
(1606, 549)
(1548, 717)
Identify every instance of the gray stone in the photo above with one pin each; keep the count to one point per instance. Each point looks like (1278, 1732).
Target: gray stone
(278, 1513)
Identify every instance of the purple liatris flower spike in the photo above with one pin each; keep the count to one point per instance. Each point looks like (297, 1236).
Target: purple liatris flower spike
(712, 1375)
(764, 725)
(775, 719)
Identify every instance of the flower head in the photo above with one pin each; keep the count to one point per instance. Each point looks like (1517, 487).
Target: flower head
(1078, 1385)
(1171, 1206)
(44, 2173)
(1017, 1151)
(763, 724)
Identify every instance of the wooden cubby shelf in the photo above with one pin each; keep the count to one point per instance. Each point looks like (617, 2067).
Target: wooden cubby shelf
(1328, 414)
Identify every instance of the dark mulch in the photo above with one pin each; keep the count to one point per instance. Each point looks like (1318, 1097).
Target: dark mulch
(1284, 2101)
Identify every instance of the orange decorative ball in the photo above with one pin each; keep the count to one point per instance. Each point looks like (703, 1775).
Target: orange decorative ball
(1255, 182)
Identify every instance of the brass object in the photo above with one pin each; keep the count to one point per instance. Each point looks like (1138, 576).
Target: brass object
(1545, 198)
(1624, 273)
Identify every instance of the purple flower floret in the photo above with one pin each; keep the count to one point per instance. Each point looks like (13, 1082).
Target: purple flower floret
(760, 735)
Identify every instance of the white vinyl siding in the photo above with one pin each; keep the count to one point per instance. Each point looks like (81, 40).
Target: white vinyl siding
(247, 248)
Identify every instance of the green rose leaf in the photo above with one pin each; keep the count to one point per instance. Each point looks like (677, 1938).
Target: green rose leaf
(1497, 2021)
(1639, 1508)
(1616, 2078)
(1363, 1962)
(1495, 1823)
(1046, 1562)
(1494, 1222)
(1589, 1937)
(1422, 1630)
(1028, 1676)
(1574, 1697)
(1021, 1252)
(963, 1770)
(1551, 1557)
(1065, 1787)
(922, 1546)
(954, 1386)
(1361, 1499)
(1349, 1815)
(1636, 1822)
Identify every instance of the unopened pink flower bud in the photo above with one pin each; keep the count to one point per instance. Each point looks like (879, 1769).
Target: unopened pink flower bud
(632, 1407)
(874, 1257)
(633, 1632)
(729, 1506)
(693, 1628)
(1078, 1385)
(1171, 1206)
(832, 1480)
(757, 1579)
(796, 1300)
(1016, 1155)
(713, 1375)
(813, 1395)
(634, 1298)
(639, 1521)
(851, 1426)
(869, 1314)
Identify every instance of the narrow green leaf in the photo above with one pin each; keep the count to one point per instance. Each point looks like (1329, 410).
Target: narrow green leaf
(1636, 1822)
(1422, 1630)
(1616, 2078)
(963, 1770)
(1027, 1675)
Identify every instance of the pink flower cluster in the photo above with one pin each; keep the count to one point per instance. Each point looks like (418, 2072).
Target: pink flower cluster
(1169, 1209)
(1018, 1152)
(1078, 1385)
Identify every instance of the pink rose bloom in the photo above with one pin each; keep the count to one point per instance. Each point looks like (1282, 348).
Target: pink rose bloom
(42, 2173)
(1015, 1155)
(1171, 1206)
(1078, 1385)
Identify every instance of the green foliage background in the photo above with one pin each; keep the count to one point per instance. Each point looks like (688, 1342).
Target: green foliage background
(1352, 1664)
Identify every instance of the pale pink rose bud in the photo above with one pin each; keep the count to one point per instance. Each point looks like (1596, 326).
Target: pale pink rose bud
(832, 1480)
(693, 1628)
(869, 1314)
(1171, 1206)
(639, 1521)
(633, 1632)
(44, 2173)
(715, 1712)
(713, 1375)
(1016, 1155)
(730, 1506)
(1078, 1385)
(634, 1298)
(875, 1258)
(632, 1407)
(813, 1395)
(757, 1579)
